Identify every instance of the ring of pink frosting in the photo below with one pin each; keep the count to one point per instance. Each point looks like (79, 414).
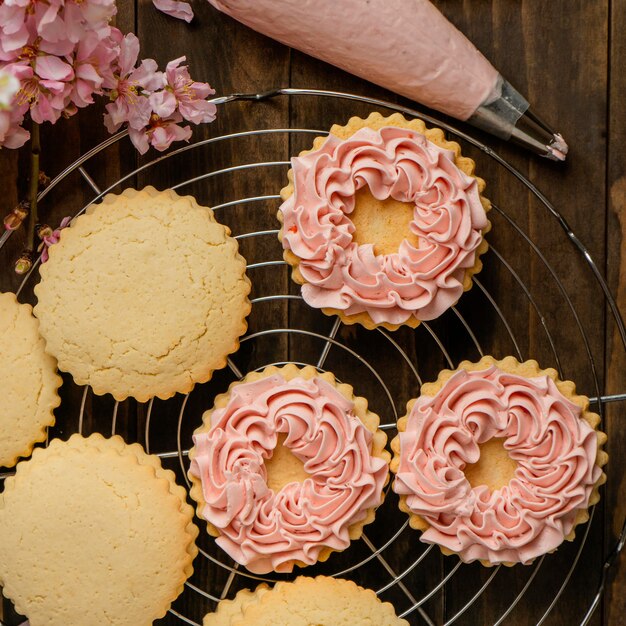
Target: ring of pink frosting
(397, 163)
(268, 531)
(555, 450)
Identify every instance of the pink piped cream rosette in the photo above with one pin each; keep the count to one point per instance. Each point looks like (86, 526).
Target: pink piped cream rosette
(396, 159)
(326, 428)
(547, 431)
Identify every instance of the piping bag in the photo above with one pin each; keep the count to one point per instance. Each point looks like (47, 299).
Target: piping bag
(409, 47)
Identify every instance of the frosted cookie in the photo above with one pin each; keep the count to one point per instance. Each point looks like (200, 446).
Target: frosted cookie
(498, 461)
(288, 466)
(144, 295)
(383, 222)
(322, 601)
(94, 532)
(29, 382)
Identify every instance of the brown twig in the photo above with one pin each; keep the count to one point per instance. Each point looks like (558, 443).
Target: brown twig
(35, 151)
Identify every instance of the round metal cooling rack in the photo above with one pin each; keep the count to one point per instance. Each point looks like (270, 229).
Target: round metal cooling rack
(367, 562)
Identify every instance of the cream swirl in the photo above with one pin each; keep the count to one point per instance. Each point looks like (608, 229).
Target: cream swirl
(268, 531)
(396, 163)
(554, 448)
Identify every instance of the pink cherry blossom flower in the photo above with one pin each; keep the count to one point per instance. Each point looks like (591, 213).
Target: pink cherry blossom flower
(93, 67)
(184, 93)
(49, 23)
(50, 237)
(13, 27)
(97, 14)
(46, 89)
(55, 26)
(131, 88)
(12, 135)
(132, 108)
(163, 103)
(174, 8)
(9, 86)
(81, 17)
(50, 67)
(159, 133)
(61, 53)
(146, 75)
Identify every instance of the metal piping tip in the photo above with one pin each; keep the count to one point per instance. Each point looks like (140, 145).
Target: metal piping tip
(558, 148)
(533, 133)
(507, 115)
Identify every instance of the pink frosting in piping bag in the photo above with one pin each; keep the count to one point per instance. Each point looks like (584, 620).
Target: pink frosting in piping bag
(264, 530)
(554, 448)
(407, 46)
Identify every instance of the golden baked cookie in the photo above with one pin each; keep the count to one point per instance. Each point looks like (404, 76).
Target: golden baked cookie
(383, 222)
(29, 382)
(144, 295)
(230, 612)
(322, 601)
(288, 467)
(94, 532)
(498, 461)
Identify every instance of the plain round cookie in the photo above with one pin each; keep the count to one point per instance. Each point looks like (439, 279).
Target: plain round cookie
(94, 532)
(29, 382)
(144, 295)
(322, 601)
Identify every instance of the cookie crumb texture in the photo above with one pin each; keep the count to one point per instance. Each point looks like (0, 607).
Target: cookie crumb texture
(144, 295)
(29, 382)
(320, 601)
(94, 532)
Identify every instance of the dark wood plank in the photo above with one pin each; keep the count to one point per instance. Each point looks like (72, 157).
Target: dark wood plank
(615, 598)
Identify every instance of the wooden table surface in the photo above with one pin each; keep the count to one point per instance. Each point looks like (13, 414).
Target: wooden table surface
(567, 57)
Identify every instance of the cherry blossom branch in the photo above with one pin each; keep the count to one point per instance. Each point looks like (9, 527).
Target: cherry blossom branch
(62, 53)
(35, 151)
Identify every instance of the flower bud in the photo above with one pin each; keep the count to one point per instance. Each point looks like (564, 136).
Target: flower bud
(15, 218)
(43, 231)
(24, 263)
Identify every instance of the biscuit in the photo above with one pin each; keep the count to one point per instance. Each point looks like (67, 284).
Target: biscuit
(498, 461)
(94, 532)
(383, 222)
(144, 295)
(288, 444)
(322, 601)
(29, 382)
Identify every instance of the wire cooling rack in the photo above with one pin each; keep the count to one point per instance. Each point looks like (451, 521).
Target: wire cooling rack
(389, 557)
